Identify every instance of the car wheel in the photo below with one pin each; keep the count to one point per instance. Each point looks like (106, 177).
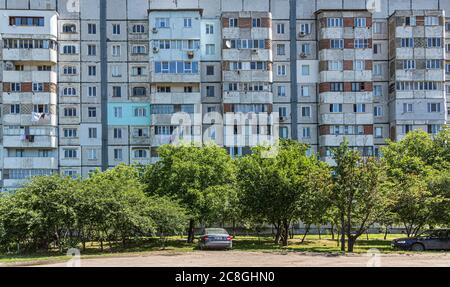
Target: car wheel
(417, 247)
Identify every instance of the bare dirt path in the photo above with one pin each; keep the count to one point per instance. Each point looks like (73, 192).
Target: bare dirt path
(263, 259)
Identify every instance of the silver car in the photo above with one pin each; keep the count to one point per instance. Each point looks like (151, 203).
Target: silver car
(215, 238)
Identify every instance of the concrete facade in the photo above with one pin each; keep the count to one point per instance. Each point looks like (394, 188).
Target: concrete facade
(90, 84)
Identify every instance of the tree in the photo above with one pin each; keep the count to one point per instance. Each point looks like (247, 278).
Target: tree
(187, 173)
(273, 188)
(358, 193)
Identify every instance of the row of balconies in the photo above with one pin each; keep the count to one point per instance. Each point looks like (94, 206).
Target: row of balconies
(346, 118)
(349, 76)
(247, 54)
(353, 140)
(29, 76)
(29, 97)
(40, 55)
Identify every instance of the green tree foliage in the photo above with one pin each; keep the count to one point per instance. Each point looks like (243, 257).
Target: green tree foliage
(189, 174)
(358, 193)
(276, 189)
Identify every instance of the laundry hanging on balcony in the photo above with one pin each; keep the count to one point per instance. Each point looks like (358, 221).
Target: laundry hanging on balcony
(35, 117)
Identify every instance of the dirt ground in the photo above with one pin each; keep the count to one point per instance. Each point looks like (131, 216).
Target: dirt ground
(263, 259)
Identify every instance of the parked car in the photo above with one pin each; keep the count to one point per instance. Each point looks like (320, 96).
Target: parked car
(215, 238)
(438, 239)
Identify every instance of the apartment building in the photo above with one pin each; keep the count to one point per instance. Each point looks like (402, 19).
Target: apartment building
(90, 84)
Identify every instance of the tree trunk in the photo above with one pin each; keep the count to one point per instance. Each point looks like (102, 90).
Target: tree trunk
(332, 231)
(285, 233)
(278, 232)
(385, 232)
(191, 231)
(318, 229)
(342, 232)
(101, 245)
(306, 232)
(351, 243)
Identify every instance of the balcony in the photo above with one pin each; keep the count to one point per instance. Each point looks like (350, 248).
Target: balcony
(247, 76)
(39, 141)
(353, 140)
(30, 98)
(247, 54)
(40, 55)
(26, 120)
(247, 97)
(29, 76)
(175, 98)
(30, 162)
(174, 78)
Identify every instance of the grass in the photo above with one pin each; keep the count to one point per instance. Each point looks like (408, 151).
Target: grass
(312, 243)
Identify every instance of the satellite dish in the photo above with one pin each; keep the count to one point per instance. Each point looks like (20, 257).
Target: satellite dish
(228, 44)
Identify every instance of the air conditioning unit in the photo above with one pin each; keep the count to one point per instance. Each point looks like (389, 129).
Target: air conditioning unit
(282, 119)
(190, 54)
(154, 30)
(155, 49)
(301, 34)
(302, 55)
(254, 51)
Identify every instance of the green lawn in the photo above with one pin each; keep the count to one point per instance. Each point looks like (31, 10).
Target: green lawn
(312, 243)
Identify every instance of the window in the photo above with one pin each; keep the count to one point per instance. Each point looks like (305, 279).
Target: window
(447, 68)
(359, 108)
(283, 132)
(26, 21)
(377, 69)
(256, 22)
(378, 132)
(334, 22)
(140, 132)
(69, 49)
(431, 21)
(92, 154)
(434, 107)
(305, 28)
(210, 91)
(407, 42)
(140, 153)
(433, 42)
(162, 22)
(210, 49)
(335, 108)
(92, 91)
(15, 109)
(69, 28)
(92, 50)
(282, 111)
(117, 92)
(38, 87)
(117, 133)
(139, 91)
(138, 29)
(116, 29)
(281, 70)
(137, 71)
(304, 91)
(433, 64)
(359, 22)
(280, 28)
(306, 132)
(209, 29)
(92, 112)
(92, 133)
(335, 65)
(188, 89)
(377, 90)
(305, 48)
(410, 21)
(70, 133)
(140, 112)
(281, 91)
(447, 27)
(358, 87)
(117, 112)
(433, 129)
(407, 108)
(406, 129)
(115, 71)
(377, 48)
(378, 27)
(163, 89)
(361, 43)
(358, 65)
(187, 22)
(92, 70)
(337, 43)
(138, 49)
(92, 29)
(305, 70)
(281, 49)
(69, 91)
(69, 70)
(306, 112)
(70, 153)
(409, 64)
(162, 109)
(337, 87)
(209, 70)
(233, 22)
(70, 112)
(378, 111)
(118, 154)
(116, 51)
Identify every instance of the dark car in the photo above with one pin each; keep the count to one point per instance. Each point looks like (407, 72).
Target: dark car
(438, 239)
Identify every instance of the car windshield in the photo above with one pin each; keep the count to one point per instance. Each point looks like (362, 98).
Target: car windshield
(215, 231)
